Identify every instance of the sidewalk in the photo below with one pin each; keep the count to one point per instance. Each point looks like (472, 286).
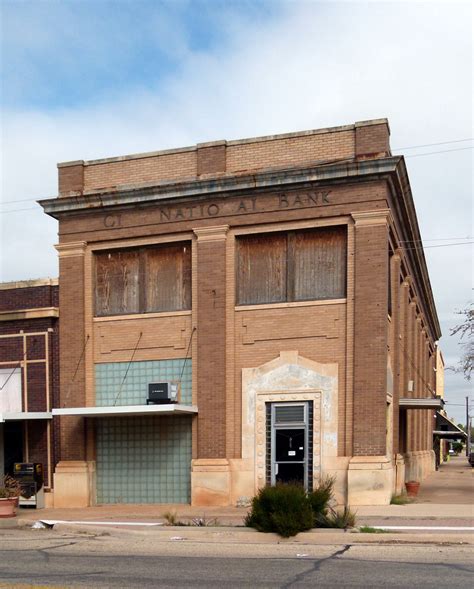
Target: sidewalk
(445, 499)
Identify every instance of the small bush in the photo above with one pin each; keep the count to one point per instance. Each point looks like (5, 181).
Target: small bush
(171, 518)
(284, 509)
(337, 519)
(402, 499)
(320, 498)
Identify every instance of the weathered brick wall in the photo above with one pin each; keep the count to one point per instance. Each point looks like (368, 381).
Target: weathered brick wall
(365, 140)
(211, 340)
(28, 298)
(370, 339)
(34, 379)
(73, 342)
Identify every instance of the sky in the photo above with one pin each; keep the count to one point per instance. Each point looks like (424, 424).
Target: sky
(85, 79)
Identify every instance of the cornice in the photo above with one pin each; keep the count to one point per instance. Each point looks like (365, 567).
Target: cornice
(224, 186)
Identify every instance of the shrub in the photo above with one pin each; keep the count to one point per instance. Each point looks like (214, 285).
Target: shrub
(402, 499)
(320, 498)
(337, 519)
(284, 509)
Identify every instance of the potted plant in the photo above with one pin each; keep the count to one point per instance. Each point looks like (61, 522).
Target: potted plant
(9, 493)
(412, 488)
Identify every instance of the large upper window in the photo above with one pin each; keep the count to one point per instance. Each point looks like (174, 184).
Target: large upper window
(143, 280)
(293, 266)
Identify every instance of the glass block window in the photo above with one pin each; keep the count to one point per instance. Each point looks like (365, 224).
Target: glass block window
(144, 459)
(109, 377)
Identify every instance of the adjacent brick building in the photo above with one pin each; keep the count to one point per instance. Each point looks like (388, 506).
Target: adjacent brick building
(29, 374)
(280, 283)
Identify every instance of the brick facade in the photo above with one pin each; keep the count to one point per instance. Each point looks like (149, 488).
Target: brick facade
(210, 195)
(29, 339)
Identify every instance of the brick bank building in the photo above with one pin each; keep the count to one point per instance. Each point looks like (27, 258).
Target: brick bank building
(273, 285)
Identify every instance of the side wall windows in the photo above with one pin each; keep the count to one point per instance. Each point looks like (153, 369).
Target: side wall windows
(143, 280)
(293, 266)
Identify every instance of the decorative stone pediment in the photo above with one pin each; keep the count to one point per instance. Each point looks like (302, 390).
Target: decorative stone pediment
(290, 377)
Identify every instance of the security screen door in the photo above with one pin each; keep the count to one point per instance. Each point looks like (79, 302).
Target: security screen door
(289, 443)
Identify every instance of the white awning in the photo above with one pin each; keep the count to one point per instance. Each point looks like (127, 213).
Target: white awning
(430, 403)
(128, 410)
(25, 416)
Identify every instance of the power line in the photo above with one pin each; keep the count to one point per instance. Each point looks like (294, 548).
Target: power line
(393, 149)
(433, 144)
(435, 152)
(421, 247)
(19, 210)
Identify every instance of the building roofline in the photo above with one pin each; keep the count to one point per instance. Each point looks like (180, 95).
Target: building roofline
(248, 140)
(29, 283)
(392, 168)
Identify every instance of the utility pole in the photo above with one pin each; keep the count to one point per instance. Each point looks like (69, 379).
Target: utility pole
(468, 429)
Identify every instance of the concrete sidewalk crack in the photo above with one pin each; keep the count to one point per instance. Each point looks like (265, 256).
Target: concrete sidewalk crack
(316, 566)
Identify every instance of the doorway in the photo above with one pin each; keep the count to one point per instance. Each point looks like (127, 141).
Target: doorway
(13, 444)
(289, 443)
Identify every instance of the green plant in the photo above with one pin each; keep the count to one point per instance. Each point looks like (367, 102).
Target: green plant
(370, 530)
(401, 499)
(337, 519)
(320, 497)
(458, 447)
(284, 509)
(4, 494)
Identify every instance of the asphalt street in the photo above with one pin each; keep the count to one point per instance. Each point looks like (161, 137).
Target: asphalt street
(30, 558)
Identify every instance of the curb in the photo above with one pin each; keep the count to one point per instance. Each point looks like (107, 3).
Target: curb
(243, 535)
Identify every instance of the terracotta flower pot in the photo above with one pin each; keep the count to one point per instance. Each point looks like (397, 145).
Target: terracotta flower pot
(412, 488)
(7, 507)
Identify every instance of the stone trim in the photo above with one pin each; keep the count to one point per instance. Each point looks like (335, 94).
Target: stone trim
(29, 283)
(289, 378)
(75, 248)
(217, 233)
(369, 218)
(40, 313)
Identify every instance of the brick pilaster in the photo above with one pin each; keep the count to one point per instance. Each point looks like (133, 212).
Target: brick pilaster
(370, 332)
(211, 341)
(395, 343)
(73, 341)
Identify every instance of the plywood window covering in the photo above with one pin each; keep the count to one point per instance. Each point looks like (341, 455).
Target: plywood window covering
(294, 266)
(262, 269)
(143, 280)
(168, 278)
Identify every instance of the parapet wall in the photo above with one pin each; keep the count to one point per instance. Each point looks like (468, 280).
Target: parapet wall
(367, 139)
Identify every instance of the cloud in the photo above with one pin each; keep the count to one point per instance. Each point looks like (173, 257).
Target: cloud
(300, 66)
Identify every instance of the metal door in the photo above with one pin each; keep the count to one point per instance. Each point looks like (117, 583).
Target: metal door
(289, 443)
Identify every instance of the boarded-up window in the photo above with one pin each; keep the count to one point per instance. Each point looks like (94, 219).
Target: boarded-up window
(294, 266)
(143, 280)
(168, 278)
(319, 263)
(262, 269)
(117, 283)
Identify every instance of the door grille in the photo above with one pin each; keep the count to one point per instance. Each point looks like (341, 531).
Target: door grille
(289, 414)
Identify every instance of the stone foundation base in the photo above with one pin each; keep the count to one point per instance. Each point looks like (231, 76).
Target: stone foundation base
(74, 484)
(419, 464)
(210, 482)
(399, 475)
(369, 480)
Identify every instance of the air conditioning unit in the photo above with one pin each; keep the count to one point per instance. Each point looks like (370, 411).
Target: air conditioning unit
(162, 393)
